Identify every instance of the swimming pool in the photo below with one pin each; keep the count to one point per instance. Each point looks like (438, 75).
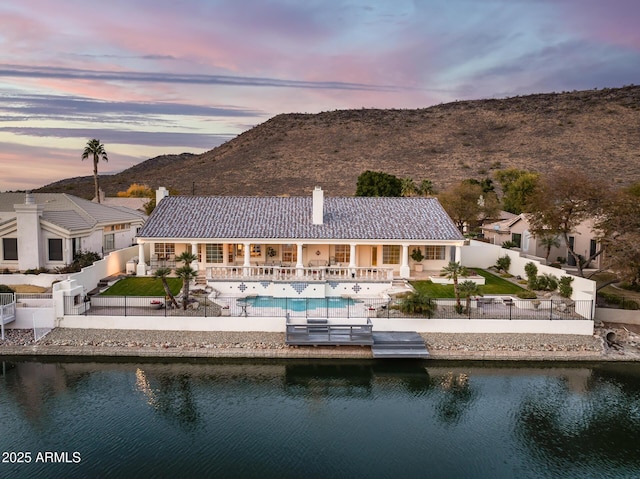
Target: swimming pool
(299, 304)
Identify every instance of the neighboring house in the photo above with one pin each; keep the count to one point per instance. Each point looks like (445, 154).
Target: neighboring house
(516, 230)
(45, 230)
(130, 202)
(287, 237)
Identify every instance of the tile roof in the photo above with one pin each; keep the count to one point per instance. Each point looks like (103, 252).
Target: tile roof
(68, 211)
(196, 217)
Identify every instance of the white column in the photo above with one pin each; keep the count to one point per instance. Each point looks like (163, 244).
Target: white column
(299, 263)
(194, 250)
(458, 255)
(141, 269)
(405, 272)
(247, 259)
(68, 246)
(225, 254)
(352, 260)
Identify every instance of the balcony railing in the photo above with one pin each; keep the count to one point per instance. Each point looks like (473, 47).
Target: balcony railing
(291, 273)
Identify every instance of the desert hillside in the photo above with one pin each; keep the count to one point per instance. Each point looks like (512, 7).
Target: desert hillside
(596, 131)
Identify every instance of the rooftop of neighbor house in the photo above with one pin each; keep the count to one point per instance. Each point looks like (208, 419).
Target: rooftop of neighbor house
(343, 218)
(67, 211)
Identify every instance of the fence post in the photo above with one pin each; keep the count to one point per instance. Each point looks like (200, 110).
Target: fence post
(550, 309)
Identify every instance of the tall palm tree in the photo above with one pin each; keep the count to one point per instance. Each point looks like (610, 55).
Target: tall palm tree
(95, 150)
(187, 273)
(162, 274)
(453, 271)
(467, 289)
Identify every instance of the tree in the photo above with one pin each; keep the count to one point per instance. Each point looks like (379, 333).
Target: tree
(187, 273)
(468, 205)
(503, 263)
(417, 302)
(562, 201)
(96, 151)
(549, 241)
(162, 274)
(136, 190)
(377, 183)
(620, 228)
(426, 188)
(469, 288)
(453, 271)
(408, 187)
(517, 188)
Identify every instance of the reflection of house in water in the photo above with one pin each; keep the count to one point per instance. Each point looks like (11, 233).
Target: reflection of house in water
(351, 379)
(34, 384)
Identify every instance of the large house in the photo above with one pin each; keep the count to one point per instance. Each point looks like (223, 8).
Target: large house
(517, 231)
(285, 238)
(45, 230)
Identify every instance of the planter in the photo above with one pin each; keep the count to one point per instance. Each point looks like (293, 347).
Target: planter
(156, 305)
(225, 312)
(419, 267)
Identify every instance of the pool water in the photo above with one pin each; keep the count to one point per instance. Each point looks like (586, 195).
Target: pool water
(299, 304)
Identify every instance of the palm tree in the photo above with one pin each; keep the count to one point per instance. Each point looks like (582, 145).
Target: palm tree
(549, 241)
(452, 271)
(187, 273)
(408, 187)
(426, 188)
(162, 274)
(95, 149)
(467, 289)
(418, 302)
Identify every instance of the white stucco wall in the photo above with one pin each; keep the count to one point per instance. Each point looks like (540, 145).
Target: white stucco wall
(277, 324)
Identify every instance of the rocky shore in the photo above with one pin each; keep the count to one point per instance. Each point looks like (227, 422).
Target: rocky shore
(133, 343)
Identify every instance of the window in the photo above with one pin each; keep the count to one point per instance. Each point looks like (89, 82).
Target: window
(343, 253)
(593, 247)
(55, 249)
(289, 253)
(214, 253)
(256, 250)
(109, 242)
(434, 252)
(118, 227)
(164, 250)
(10, 249)
(517, 239)
(391, 254)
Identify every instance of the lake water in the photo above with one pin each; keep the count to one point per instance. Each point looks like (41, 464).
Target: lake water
(327, 419)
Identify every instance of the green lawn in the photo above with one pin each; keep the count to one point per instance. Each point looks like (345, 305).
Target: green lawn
(494, 285)
(143, 287)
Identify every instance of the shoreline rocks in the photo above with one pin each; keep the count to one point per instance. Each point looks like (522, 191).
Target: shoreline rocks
(100, 342)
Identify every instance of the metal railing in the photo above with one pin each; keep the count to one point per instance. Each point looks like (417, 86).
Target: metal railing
(506, 309)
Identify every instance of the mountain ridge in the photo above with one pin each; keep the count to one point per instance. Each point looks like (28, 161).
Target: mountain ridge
(596, 130)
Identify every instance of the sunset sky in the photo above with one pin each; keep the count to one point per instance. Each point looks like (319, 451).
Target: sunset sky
(149, 77)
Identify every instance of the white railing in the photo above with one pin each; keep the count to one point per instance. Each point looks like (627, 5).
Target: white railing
(289, 273)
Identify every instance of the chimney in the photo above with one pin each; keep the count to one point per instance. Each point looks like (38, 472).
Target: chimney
(318, 206)
(161, 193)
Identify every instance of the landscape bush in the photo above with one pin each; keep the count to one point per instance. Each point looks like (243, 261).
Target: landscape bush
(564, 288)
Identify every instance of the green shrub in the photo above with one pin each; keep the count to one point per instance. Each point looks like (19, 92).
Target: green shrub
(526, 294)
(565, 289)
(509, 244)
(531, 270)
(546, 282)
(5, 289)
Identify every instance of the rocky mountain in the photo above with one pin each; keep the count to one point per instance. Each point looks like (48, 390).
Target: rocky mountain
(595, 131)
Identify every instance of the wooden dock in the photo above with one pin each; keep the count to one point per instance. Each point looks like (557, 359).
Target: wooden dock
(322, 332)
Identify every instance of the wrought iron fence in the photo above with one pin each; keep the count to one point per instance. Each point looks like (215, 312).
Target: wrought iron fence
(481, 308)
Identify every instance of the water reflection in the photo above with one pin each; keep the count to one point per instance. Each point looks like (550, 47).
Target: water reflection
(597, 427)
(329, 418)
